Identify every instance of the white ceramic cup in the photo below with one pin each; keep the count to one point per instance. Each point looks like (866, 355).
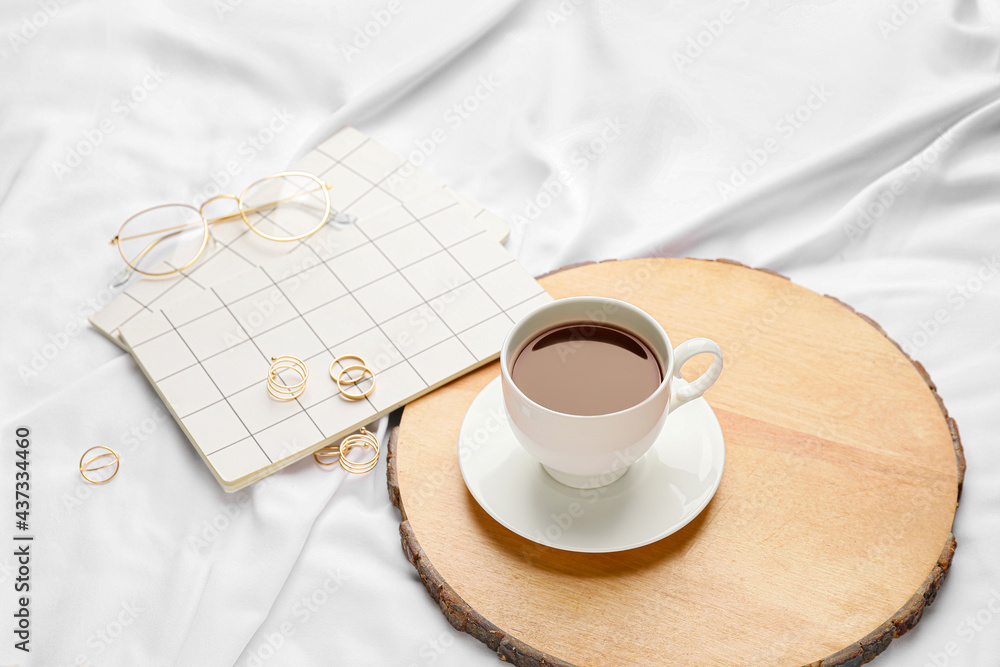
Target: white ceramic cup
(589, 451)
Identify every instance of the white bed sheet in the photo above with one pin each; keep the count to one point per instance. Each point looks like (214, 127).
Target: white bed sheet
(852, 146)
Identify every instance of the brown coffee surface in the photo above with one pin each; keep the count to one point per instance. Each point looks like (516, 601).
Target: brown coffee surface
(586, 369)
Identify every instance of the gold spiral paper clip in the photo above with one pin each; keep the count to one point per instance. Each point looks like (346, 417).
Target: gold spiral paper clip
(277, 387)
(327, 456)
(365, 438)
(91, 465)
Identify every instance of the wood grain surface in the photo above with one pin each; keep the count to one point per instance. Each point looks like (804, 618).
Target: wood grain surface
(829, 534)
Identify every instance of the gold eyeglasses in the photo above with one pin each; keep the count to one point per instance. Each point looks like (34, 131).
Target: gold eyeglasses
(166, 239)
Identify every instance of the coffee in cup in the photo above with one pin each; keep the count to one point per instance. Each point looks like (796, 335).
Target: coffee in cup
(587, 369)
(588, 383)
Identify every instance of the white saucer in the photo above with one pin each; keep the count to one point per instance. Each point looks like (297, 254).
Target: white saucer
(659, 495)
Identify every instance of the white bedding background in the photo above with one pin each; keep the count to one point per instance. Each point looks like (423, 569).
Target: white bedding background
(853, 146)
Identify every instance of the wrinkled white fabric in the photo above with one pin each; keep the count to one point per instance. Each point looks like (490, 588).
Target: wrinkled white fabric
(852, 146)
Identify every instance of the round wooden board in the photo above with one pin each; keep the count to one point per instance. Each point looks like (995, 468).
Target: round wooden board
(829, 534)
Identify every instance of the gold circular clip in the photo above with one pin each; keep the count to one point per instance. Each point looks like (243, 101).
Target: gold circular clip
(333, 454)
(277, 387)
(348, 381)
(104, 459)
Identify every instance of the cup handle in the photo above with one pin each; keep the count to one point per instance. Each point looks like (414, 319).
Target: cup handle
(682, 391)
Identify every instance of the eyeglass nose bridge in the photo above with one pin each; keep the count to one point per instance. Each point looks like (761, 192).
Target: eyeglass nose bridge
(211, 221)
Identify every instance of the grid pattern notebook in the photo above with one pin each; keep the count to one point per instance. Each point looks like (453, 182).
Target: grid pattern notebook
(420, 288)
(368, 181)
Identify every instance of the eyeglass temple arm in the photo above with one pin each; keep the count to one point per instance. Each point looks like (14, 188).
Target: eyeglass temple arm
(178, 228)
(145, 251)
(212, 221)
